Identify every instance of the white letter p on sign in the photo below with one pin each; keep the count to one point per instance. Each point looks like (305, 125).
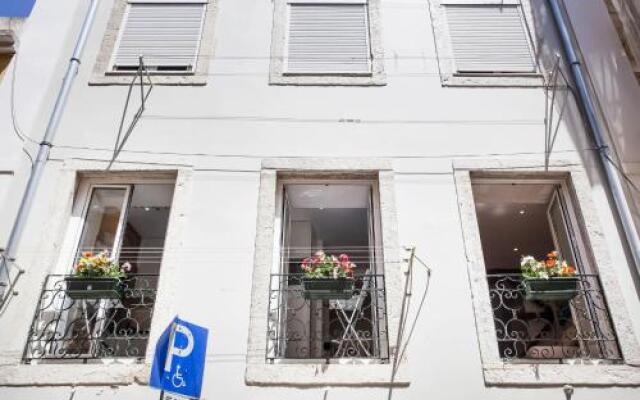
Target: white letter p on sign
(173, 350)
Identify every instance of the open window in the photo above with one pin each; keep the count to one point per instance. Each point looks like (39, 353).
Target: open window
(534, 217)
(327, 219)
(129, 223)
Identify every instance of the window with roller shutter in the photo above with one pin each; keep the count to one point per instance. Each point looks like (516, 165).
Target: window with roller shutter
(167, 36)
(327, 42)
(328, 38)
(489, 38)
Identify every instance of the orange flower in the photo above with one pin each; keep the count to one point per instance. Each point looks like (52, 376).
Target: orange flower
(553, 254)
(550, 263)
(87, 254)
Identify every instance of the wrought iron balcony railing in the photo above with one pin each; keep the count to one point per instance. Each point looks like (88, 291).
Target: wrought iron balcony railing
(351, 325)
(101, 326)
(575, 330)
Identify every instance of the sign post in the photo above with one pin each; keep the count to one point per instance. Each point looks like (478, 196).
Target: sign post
(178, 364)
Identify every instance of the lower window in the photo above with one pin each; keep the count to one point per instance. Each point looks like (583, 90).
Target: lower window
(547, 300)
(327, 291)
(102, 305)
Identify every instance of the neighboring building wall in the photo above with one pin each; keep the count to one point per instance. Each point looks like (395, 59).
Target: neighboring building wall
(219, 138)
(626, 19)
(611, 71)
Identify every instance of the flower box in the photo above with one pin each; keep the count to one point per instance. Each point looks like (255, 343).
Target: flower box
(85, 288)
(552, 289)
(327, 288)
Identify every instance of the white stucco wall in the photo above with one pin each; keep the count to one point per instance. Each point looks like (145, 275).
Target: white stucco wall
(218, 136)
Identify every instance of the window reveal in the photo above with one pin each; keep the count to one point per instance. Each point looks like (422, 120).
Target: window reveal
(534, 218)
(129, 222)
(337, 219)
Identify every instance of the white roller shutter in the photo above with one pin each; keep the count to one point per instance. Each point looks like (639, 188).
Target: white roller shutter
(328, 38)
(489, 38)
(167, 35)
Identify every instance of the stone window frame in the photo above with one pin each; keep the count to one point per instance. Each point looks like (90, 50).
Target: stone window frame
(444, 52)
(13, 371)
(496, 371)
(102, 76)
(314, 374)
(278, 76)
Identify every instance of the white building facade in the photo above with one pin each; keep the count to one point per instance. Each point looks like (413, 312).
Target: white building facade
(431, 142)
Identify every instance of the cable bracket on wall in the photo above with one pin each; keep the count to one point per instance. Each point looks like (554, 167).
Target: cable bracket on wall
(145, 90)
(551, 127)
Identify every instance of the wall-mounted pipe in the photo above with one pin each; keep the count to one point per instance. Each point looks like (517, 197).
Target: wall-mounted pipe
(587, 104)
(45, 147)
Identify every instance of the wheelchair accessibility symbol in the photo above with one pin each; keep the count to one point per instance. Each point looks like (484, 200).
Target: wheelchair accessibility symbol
(177, 380)
(178, 366)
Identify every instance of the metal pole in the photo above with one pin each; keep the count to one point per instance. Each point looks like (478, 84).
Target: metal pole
(44, 149)
(612, 178)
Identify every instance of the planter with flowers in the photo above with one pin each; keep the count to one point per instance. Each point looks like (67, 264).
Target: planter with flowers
(96, 276)
(327, 277)
(548, 280)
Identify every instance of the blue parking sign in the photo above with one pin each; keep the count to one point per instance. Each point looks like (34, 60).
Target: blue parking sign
(178, 364)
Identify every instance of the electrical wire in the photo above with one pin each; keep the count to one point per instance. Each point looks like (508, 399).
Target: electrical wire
(271, 156)
(14, 121)
(622, 172)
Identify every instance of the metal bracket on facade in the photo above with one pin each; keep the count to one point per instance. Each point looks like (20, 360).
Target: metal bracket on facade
(552, 127)
(7, 288)
(121, 139)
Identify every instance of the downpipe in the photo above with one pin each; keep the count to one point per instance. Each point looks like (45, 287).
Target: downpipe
(44, 149)
(612, 179)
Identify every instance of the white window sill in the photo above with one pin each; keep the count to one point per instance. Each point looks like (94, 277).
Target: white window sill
(507, 374)
(74, 374)
(371, 79)
(169, 79)
(493, 80)
(314, 375)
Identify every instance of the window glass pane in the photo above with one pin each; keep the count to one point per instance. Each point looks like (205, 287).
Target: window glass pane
(101, 221)
(560, 233)
(334, 218)
(146, 227)
(338, 219)
(513, 222)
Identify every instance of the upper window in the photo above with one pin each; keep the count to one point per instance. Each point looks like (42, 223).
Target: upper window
(327, 290)
(328, 37)
(485, 43)
(84, 313)
(166, 35)
(171, 37)
(488, 38)
(326, 42)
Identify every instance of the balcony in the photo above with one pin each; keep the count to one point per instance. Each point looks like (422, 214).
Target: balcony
(350, 328)
(66, 328)
(575, 331)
